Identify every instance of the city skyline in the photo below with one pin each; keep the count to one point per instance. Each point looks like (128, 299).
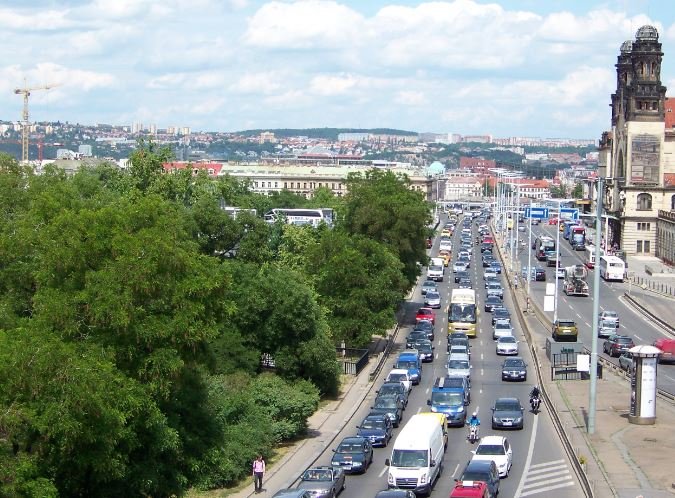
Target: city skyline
(509, 68)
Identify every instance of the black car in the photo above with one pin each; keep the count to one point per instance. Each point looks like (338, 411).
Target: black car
(414, 336)
(425, 349)
(507, 413)
(377, 429)
(492, 302)
(394, 388)
(390, 405)
(514, 369)
(539, 274)
(457, 335)
(487, 260)
(425, 326)
(491, 279)
(461, 274)
(485, 471)
(486, 247)
(500, 314)
(465, 283)
(353, 455)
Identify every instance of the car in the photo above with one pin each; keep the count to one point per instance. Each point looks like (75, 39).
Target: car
(466, 260)
(464, 254)
(459, 341)
(395, 387)
(459, 366)
(292, 493)
(465, 283)
(496, 266)
(459, 266)
(445, 255)
(430, 243)
(610, 316)
(323, 481)
(553, 221)
(502, 328)
(462, 274)
(491, 279)
(496, 449)
(560, 273)
(606, 328)
(539, 274)
(415, 336)
(354, 454)
(425, 348)
(488, 259)
(489, 272)
(445, 245)
(425, 326)
(486, 247)
(667, 347)
(514, 369)
(400, 375)
(495, 289)
(507, 345)
(491, 302)
(616, 344)
(457, 335)
(426, 314)
(500, 314)
(626, 361)
(507, 413)
(457, 348)
(429, 285)
(410, 360)
(521, 228)
(551, 258)
(395, 493)
(390, 405)
(564, 329)
(432, 300)
(483, 471)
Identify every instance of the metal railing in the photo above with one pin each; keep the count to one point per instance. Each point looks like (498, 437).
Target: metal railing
(352, 360)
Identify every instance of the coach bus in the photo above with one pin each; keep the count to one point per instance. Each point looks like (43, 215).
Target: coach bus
(612, 268)
(541, 245)
(589, 260)
(313, 217)
(462, 313)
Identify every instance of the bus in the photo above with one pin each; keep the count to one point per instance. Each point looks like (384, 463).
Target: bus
(612, 268)
(313, 217)
(462, 313)
(542, 244)
(589, 260)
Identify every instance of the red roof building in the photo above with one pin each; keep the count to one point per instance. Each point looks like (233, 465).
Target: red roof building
(212, 169)
(477, 164)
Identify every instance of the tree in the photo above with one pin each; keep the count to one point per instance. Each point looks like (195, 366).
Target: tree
(558, 191)
(146, 163)
(382, 206)
(578, 191)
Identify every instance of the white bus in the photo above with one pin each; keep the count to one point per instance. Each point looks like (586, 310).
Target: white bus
(612, 268)
(590, 256)
(302, 216)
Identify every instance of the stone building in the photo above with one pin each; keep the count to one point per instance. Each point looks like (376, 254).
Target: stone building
(637, 155)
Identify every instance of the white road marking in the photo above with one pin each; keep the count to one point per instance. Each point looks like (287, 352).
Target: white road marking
(565, 484)
(528, 459)
(534, 475)
(382, 471)
(426, 391)
(454, 472)
(546, 464)
(481, 371)
(587, 324)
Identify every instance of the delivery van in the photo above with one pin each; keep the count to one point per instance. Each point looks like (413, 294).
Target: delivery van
(417, 456)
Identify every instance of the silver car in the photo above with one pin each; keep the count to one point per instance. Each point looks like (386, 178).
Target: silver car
(495, 289)
(459, 366)
(507, 345)
(502, 328)
(459, 266)
(432, 299)
(323, 482)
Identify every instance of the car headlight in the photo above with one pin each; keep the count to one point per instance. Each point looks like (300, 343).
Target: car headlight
(423, 479)
(434, 409)
(390, 479)
(522, 372)
(356, 464)
(517, 419)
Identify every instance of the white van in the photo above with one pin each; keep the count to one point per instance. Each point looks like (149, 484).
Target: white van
(436, 269)
(417, 457)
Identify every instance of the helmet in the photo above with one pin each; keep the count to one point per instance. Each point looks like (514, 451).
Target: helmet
(473, 414)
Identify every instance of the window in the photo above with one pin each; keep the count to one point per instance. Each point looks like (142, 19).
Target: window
(639, 246)
(646, 246)
(644, 226)
(672, 203)
(644, 202)
(285, 184)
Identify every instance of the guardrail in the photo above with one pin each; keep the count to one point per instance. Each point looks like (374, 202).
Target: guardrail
(668, 327)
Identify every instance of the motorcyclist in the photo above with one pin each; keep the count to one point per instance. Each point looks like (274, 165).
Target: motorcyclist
(534, 393)
(473, 423)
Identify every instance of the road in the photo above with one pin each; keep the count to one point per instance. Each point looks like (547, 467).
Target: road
(580, 309)
(540, 466)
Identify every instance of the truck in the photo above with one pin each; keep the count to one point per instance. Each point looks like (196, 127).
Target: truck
(575, 281)
(577, 237)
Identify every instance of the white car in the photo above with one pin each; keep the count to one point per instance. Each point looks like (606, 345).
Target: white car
(459, 349)
(560, 273)
(445, 245)
(400, 375)
(459, 266)
(459, 366)
(502, 328)
(610, 316)
(464, 254)
(497, 449)
(507, 345)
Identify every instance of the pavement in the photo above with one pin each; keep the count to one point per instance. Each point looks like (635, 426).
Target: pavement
(621, 460)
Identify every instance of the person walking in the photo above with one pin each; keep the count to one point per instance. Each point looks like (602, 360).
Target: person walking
(258, 473)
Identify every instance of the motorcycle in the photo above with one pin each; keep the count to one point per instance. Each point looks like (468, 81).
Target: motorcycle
(535, 402)
(473, 434)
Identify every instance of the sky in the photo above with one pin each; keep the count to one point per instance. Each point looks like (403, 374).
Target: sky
(538, 68)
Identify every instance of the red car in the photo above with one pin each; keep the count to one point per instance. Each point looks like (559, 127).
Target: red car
(667, 347)
(426, 314)
(553, 221)
(430, 243)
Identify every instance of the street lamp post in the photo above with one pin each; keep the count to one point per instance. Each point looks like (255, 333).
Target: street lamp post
(557, 263)
(596, 313)
(529, 259)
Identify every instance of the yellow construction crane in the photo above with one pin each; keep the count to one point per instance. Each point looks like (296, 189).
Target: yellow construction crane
(25, 125)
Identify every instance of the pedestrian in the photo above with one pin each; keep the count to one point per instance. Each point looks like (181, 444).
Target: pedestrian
(515, 281)
(258, 473)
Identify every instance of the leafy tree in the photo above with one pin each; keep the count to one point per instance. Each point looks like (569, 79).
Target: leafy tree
(382, 206)
(578, 191)
(359, 281)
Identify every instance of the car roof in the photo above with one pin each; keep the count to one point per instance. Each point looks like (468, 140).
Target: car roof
(509, 399)
(492, 440)
(353, 439)
(479, 465)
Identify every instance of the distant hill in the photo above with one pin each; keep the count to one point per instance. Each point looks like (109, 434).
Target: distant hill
(326, 133)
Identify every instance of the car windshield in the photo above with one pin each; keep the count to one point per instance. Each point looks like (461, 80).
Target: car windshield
(317, 475)
(508, 338)
(566, 323)
(490, 449)
(493, 299)
(624, 340)
(423, 325)
(406, 364)
(463, 313)
(373, 424)
(607, 323)
(610, 314)
(385, 402)
(435, 268)
(400, 377)
(349, 448)
(507, 405)
(390, 389)
(447, 398)
(409, 458)
(458, 365)
(514, 363)
(433, 295)
(475, 476)
(423, 347)
(429, 283)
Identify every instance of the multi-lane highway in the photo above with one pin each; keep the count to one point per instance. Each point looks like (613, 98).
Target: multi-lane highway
(580, 309)
(540, 466)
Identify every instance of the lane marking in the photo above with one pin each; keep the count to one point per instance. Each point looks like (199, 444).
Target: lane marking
(454, 472)
(528, 459)
(568, 482)
(546, 464)
(547, 472)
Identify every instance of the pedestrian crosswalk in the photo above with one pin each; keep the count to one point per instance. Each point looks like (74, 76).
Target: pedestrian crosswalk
(545, 477)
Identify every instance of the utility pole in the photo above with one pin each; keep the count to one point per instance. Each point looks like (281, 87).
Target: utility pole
(529, 259)
(25, 124)
(596, 310)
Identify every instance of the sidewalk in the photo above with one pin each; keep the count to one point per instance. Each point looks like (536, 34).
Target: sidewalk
(620, 459)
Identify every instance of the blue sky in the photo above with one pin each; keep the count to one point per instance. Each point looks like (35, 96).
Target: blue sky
(507, 68)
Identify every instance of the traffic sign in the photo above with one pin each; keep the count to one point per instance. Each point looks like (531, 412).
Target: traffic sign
(569, 214)
(540, 213)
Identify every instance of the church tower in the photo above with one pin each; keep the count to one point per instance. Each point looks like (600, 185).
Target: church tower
(646, 97)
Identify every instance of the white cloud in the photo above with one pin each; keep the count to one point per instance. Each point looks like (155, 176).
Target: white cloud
(328, 85)
(35, 20)
(262, 83)
(411, 98)
(305, 24)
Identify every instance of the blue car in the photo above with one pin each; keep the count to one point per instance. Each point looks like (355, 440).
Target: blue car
(496, 266)
(377, 429)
